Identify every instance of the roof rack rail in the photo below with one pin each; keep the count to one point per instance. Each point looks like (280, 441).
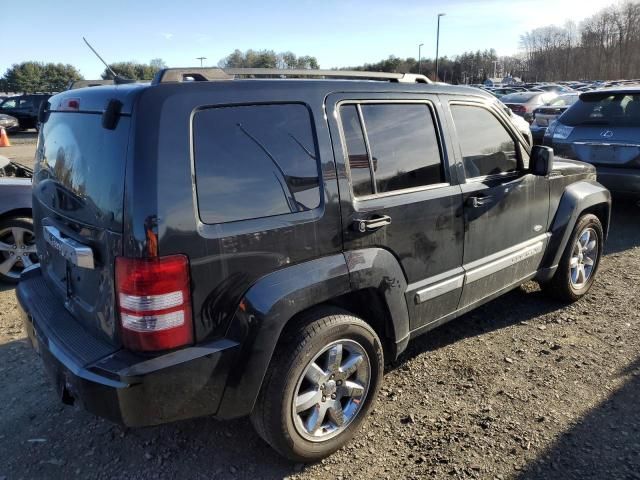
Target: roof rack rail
(196, 74)
(209, 74)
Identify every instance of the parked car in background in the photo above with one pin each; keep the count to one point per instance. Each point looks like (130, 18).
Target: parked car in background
(17, 243)
(554, 88)
(520, 123)
(9, 123)
(603, 128)
(544, 115)
(500, 92)
(25, 108)
(524, 103)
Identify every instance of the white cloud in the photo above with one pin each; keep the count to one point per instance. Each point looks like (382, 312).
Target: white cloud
(167, 36)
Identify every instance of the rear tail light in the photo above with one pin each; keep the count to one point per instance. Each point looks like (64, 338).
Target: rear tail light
(154, 302)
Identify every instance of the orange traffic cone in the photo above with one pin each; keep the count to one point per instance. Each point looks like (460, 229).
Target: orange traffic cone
(4, 138)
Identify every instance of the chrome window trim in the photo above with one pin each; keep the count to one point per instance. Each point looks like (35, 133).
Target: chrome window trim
(401, 192)
(496, 176)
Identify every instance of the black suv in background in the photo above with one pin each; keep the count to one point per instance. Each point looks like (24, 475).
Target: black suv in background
(237, 245)
(25, 108)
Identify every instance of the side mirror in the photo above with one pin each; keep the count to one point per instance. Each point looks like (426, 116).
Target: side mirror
(541, 162)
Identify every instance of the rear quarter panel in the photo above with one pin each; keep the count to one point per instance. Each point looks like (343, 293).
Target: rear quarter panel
(225, 258)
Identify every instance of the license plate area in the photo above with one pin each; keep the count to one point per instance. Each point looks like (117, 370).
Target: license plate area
(603, 154)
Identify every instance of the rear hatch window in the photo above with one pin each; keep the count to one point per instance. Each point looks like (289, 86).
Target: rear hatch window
(604, 109)
(85, 164)
(78, 207)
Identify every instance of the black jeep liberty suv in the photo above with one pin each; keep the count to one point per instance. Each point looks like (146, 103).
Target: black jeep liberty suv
(233, 242)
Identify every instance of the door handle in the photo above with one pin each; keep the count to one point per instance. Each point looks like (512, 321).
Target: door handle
(478, 201)
(372, 224)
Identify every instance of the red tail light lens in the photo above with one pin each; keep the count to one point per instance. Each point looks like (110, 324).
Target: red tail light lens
(154, 301)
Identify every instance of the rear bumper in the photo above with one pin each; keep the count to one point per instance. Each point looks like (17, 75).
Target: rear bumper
(620, 180)
(116, 384)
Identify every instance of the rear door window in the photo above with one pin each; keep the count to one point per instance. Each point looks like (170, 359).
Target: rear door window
(403, 143)
(254, 161)
(487, 148)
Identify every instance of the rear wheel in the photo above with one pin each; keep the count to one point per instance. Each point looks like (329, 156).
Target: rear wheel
(320, 385)
(17, 248)
(580, 261)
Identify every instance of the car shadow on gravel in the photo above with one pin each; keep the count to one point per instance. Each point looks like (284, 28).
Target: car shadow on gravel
(625, 226)
(63, 440)
(605, 443)
(519, 305)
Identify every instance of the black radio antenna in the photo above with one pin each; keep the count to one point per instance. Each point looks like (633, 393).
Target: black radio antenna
(116, 77)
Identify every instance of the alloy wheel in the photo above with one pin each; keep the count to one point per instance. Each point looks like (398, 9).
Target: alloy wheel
(331, 390)
(583, 258)
(17, 251)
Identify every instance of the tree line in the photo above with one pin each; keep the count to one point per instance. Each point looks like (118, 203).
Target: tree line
(38, 77)
(603, 47)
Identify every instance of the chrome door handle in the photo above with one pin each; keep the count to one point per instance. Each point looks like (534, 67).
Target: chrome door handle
(75, 252)
(372, 224)
(479, 201)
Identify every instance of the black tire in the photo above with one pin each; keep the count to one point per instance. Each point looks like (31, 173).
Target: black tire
(560, 286)
(8, 223)
(273, 415)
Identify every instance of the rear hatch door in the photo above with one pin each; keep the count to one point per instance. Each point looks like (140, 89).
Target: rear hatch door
(609, 146)
(78, 212)
(606, 128)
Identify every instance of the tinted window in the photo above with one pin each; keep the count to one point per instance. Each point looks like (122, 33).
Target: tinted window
(356, 151)
(606, 109)
(487, 148)
(88, 162)
(404, 146)
(254, 161)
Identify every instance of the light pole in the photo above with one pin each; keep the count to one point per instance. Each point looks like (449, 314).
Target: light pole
(420, 58)
(438, 43)
(201, 59)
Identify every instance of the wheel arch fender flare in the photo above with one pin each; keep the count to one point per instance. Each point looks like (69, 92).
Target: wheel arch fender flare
(379, 269)
(272, 301)
(262, 315)
(576, 199)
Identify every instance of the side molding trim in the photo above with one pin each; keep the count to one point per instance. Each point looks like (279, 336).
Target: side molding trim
(438, 289)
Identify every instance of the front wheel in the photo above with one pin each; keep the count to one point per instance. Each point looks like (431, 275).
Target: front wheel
(579, 262)
(320, 385)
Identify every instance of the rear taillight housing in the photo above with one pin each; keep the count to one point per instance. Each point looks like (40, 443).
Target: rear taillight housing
(154, 302)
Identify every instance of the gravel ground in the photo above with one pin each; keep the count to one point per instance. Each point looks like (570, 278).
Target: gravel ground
(523, 388)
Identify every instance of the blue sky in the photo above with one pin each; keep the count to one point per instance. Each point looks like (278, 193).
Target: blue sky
(338, 33)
